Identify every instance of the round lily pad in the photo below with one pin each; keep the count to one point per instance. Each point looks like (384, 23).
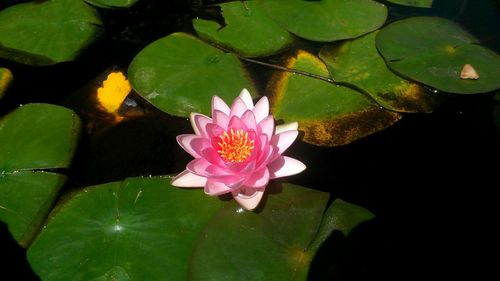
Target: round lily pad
(179, 74)
(329, 115)
(47, 32)
(327, 20)
(247, 30)
(434, 51)
(5, 80)
(278, 243)
(358, 63)
(34, 139)
(138, 229)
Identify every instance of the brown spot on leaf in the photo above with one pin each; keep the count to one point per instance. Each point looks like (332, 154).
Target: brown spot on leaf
(410, 97)
(344, 130)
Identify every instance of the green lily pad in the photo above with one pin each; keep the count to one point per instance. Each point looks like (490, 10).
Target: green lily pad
(271, 245)
(5, 80)
(327, 20)
(179, 74)
(329, 115)
(47, 32)
(413, 3)
(248, 30)
(34, 139)
(358, 63)
(437, 58)
(112, 3)
(138, 229)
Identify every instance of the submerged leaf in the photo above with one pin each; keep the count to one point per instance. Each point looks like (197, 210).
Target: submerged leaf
(358, 63)
(437, 58)
(179, 74)
(329, 115)
(47, 32)
(247, 30)
(327, 20)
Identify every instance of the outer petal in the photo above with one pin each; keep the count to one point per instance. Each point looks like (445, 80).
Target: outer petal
(258, 179)
(267, 126)
(188, 179)
(249, 202)
(193, 144)
(220, 118)
(219, 104)
(247, 98)
(238, 108)
(286, 127)
(204, 168)
(215, 188)
(284, 140)
(261, 109)
(199, 123)
(285, 166)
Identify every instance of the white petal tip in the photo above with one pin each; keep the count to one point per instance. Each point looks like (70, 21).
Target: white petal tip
(286, 127)
(188, 179)
(249, 202)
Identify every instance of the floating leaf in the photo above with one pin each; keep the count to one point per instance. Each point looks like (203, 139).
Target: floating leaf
(179, 74)
(5, 80)
(273, 244)
(329, 115)
(248, 30)
(112, 3)
(47, 32)
(413, 3)
(138, 229)
(327, 20)
(358, 62)
(33, 138)
(437, 58)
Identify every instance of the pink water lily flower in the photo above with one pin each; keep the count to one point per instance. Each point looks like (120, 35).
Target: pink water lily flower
(238, 150)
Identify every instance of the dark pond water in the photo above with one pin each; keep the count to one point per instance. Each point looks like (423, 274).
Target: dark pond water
(429, 178)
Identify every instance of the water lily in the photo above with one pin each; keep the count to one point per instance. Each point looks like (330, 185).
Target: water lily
(238, 150)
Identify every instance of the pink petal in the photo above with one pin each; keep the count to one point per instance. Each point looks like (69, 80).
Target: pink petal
(285, 166)
(214, 131)
(220, 118)
(193, 144)
(212, 156)
(261, 109)
(203, 168)
(188, 179)
(267, 126)
(246, 98)
(238, 108)
(235, 123)
(284, 140)
(286, 127)
(199, 123)
(249, 119)
(215, 188)
(219, 104)
(258, 179)
(249, 202)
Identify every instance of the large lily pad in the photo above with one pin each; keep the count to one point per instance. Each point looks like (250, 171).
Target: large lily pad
(112, 3)
(329, 115)
(247, 30)
(34, 139)
(47, 32)
(271, 245)
(413, 3)
(327, 20)
(138, 229)
(437, 58)
(358, 63)
(179, 74)
(5, 80)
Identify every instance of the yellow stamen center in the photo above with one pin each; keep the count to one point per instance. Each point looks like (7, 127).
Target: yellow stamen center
(235, 146)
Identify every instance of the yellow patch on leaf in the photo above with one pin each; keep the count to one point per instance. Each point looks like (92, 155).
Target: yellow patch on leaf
(113, 92)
